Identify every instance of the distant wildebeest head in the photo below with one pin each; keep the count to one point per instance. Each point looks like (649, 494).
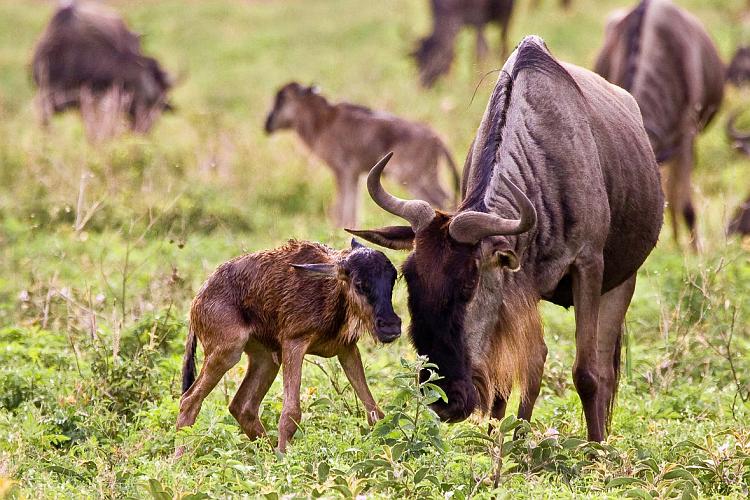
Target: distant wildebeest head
(434, 53)
(665, 58)
(286, 105)
(738, 72)
(561, 202)
(87, 55)
(350, 138)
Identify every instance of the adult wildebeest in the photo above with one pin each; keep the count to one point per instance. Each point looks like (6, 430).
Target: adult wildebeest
(86, 56)
(435, 52)
(562, 203)
(351, 138)
(302, 298)
(663, 56)
(740, 139)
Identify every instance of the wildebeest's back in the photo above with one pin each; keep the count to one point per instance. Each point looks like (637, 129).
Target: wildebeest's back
(576, 146)
(270, 296)
(663, 56)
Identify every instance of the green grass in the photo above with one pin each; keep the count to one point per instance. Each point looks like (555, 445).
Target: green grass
(93, 319)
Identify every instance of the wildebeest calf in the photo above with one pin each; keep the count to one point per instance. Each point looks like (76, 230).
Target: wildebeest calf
(434, 53)
(88, 55)
(351, 138)
(277, 306)
(738, 72)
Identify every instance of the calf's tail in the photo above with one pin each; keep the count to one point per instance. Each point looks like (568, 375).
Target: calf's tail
(188, 361)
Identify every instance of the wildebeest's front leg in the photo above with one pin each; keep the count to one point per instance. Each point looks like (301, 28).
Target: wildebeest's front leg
(534, 374)
(292, 354)
(262, 369)
(614, 305)
(587, 283)
(351, 362)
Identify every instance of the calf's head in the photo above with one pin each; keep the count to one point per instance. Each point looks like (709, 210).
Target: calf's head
(286, 106)
(453, 260)
(368, 278)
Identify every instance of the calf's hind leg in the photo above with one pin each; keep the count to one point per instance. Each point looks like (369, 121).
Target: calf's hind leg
(261, 372)
(219, 359)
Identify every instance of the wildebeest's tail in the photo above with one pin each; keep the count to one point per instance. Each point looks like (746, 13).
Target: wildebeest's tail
(188, 361)
(454, 173)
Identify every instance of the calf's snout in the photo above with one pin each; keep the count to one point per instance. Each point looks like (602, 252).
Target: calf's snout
(388, 329)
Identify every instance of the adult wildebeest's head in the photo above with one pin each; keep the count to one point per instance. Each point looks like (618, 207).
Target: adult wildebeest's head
(286, 105)
(450, 256)
(87, 52)
(369, 277)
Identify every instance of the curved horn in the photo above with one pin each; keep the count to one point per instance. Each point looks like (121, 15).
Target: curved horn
(418, 213)
(732, 131)
(470, 227)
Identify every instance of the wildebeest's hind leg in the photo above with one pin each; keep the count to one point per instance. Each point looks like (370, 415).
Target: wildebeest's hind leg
(614, 305)
(219, 359)
(587, 283)
(679, 191)
(262, 369)
(351, 362)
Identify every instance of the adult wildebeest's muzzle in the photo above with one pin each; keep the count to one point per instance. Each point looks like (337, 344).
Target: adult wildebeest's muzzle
(462, 401)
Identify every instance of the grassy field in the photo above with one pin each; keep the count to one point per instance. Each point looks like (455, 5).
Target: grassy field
(101, 250)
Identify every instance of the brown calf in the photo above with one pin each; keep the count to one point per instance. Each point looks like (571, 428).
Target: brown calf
(351, 138)
(277, 306)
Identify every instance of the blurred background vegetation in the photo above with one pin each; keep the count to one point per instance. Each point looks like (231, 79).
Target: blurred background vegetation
(102, 248)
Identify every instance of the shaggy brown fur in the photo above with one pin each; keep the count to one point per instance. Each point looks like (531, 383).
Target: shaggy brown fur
(350, 138)
(277, 306)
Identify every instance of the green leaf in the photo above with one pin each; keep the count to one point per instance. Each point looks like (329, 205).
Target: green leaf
(157, 490)
(421, 474)
(398, 449)
(678, 473)
(509, 423)
(638, 493)
(323, 470)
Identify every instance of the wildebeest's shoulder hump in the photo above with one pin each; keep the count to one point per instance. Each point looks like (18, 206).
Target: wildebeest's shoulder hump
(533, 55)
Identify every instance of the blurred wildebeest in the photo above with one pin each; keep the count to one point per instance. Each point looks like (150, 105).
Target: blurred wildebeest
(562, 203)
(276, 306)
(88, 59)
(664, 57)
(351, 138)
(740, 140)
(435, 52)
(739, 69)
(740, 224)
(563, 3)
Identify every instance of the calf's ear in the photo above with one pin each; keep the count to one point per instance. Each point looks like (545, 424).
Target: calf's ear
(393, 237)
(319, 269)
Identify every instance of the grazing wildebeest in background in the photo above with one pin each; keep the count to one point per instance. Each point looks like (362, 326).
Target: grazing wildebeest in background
(665, 58)
(562, 203)
(738, 72)
(740, 224)
(435, 52)
(88, 56)
(563, 3)
(277, 306)
(351, 138)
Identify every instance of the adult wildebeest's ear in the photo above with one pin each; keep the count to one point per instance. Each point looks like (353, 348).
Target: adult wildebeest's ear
(509, 259)
(356, 244)
(393, 237)
(497, 252)
(321, 269)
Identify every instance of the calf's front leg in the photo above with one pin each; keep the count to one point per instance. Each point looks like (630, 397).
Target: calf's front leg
(292, 354)
(351, 362)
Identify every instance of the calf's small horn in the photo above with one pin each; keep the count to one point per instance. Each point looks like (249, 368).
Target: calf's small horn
(470, 226)
(418, 213)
